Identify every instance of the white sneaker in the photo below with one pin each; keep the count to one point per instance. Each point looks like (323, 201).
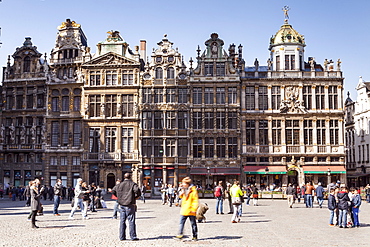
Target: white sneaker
(71, 218)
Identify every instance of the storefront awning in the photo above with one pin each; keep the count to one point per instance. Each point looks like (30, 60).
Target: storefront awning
(215, 171)
(262, 170)
(323, 169)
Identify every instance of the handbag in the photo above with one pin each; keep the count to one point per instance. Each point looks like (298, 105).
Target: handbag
(255, 196)
(236, 200)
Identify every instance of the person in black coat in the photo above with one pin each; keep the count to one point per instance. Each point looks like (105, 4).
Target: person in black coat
(332, 206)
(343, 200)
(35, 200)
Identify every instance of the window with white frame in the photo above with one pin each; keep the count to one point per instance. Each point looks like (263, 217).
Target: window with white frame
(308, 132)
(321, 132)
(63, 161)
(110, 105)
(232, 93)
(220, 96)
(127, 77)
(208, 95)
(95, 78)
(110, 139)
(111, 78)
(76, 160)
(170, 120)
(127, 140)
(250, 98)
(170, 147)
(53, 160)
(170, 95)
(197, 95)
(94, 104)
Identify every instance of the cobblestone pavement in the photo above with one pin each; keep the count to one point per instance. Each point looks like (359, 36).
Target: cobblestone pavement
(271, 223)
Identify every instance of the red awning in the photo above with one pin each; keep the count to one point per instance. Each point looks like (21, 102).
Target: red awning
(215, 171)
(262, 169)
(324, 169)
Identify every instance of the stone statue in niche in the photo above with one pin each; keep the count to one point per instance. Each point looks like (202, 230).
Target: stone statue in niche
(214, 48)
(292, 104)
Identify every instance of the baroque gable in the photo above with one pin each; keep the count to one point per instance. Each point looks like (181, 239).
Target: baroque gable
(109, 59)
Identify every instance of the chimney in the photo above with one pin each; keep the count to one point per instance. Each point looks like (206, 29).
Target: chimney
(143, 50)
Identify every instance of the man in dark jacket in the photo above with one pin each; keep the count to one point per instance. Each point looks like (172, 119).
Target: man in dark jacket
(127, 192)
(320, 194)
(290, 195)
(58, 187)
(343, 200)
(332, 205)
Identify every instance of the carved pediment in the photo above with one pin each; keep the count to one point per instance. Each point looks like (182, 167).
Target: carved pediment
(111, 59)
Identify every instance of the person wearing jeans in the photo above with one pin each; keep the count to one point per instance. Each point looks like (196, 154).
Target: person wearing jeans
(57, 195)
(78, 199)
(189, 206)
(332, 206)
(343, 200)
(308, 193)
(219, 194)
(356, 203)
(320, 194)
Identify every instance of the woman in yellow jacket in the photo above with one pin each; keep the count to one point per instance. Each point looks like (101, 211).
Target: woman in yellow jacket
(236, 198)
(189, 206)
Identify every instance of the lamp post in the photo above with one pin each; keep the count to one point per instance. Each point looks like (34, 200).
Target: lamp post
(329, 177)
(96, 177)
(267, 179)
(207, 185)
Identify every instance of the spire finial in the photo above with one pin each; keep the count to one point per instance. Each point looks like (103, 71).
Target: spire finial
(348, 94)
(286, 14)
(198, 51)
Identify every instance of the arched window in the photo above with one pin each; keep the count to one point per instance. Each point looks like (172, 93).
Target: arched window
(170, 73)
(158, 73)
(27, 64)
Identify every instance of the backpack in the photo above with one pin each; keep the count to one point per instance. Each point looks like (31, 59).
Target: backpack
(218, 191)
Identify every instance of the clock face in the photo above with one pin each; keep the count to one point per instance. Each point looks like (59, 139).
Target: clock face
(146, 76)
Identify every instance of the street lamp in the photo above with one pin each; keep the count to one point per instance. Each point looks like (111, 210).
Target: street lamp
(96, 177)
(207, 185)
(267, 179)
(329, 177)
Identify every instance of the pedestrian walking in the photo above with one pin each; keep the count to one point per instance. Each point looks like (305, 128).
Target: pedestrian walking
(92, 189)
(36, 193)
(236, 197)
(228, 197)
(219, 195)
(143, 191)
(164, 193)
(189, 206)
(127, 192)
(367, 191)
(290, 195)
(58, 189)
(309, 190)
(248, 194)
(85, 199)
(320, 194)
(27, 194)
(78, 200)
(255, 194)
(170, 194)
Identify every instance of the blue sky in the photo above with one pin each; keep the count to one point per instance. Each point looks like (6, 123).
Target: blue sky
(332, 28)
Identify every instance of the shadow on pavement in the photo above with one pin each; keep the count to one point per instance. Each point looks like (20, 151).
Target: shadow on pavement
(61, 227)
(255, 221)
(211, 221)
(223, 238)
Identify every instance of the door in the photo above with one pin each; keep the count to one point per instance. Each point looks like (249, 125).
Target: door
(293, 177)
(111, 180)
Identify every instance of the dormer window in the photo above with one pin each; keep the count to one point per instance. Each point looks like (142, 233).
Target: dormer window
(158, 59)
(158, 73)
(289, 62)
(220, 69)
(208, 69)
(170, 59)
(170, 73)
(27, 64)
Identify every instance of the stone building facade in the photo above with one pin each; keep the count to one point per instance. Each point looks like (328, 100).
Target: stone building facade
(97, 116)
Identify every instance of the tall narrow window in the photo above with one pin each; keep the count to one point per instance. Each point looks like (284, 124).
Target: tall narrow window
(263, 132)
(63, 161)
(127, 77)
(208, 95)
(197, 147)
(127, 140)
(232, 147)
(170, 95)
(54, 133)
(127, 105)
(182, 148)
(147, 95)
(65, 103)
(158, 95)
(158, 120)
(320, 97)
(94, 140)
(77, 133)
(292, 132)
(277, 63)
(94, 103)
(220, 69)
(183, 95)
(321, 132)
(110, 139)
(208, 120)
(147, 146)
(111, 105)
(76, 160)
(251, 132)
(276, 97)
(220, 95)
(170, 120)
(197, 95)
(262, 98)
(65, 131)
(147, 120)
(76, 103)
(308, 132)
(334, 132)
(158, 147)
(29, 98)
(232, 120)
(182, 118)
(221, 120)
(55, 104)
(208, 69)
(27, 64)
(170, 147)
(221, 147)
(250, 98)
(170, 73)
(276, 132)
(197, 120)
(111, 78)
(307, 97)
(232, 95)
(159, 73)
(333, 97)
(94, 78)
(209, 147)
